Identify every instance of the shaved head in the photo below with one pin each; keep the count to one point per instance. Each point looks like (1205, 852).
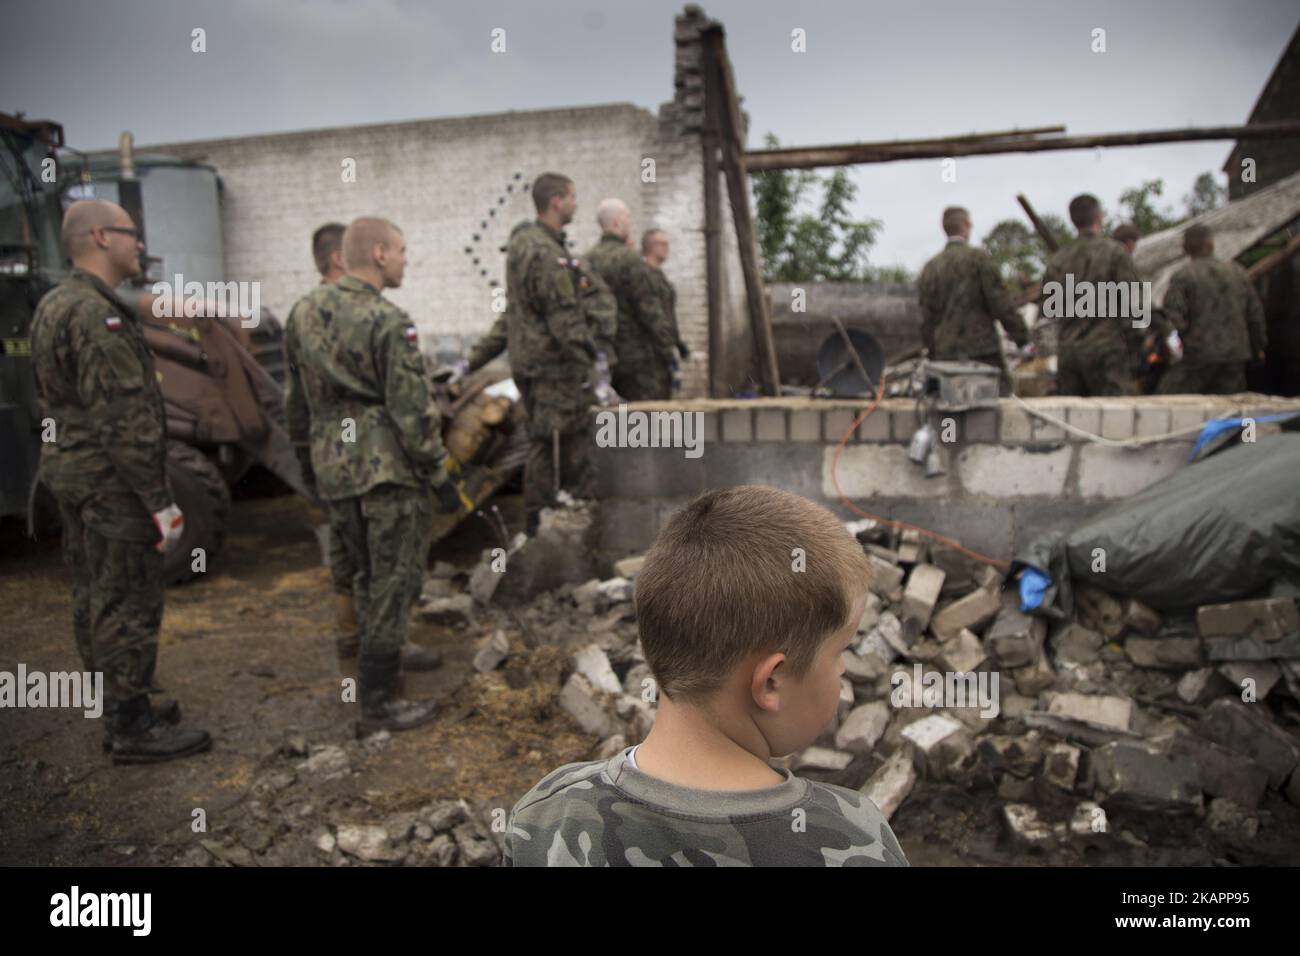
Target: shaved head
(609, 212)
(87, 214)
(360, 239)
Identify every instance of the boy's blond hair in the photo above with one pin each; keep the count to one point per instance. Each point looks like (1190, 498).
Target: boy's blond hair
(722, 581)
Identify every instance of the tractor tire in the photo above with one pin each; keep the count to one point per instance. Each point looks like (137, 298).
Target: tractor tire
(204, 499)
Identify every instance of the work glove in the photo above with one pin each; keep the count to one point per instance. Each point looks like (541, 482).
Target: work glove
(453, 373)
(170, 523)
(1175, 345)
(448, 496)
(601, 388)
(685, 352)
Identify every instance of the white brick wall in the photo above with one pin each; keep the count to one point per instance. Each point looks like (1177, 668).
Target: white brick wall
(438, 180)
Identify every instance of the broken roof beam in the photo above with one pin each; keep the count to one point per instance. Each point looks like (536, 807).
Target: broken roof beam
(812, 157)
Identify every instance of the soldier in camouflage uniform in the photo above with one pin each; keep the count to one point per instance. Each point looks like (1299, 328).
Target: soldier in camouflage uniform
(654, 252)
(1097, 355)
(552, 348)
(645, 340)
(106, 465)
(1219, 318)
(359, 403)
(962, 297)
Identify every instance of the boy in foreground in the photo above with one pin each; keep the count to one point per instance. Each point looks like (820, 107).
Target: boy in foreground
(746, 653)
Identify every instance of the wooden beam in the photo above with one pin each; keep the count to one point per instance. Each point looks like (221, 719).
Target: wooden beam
(1273, 260)
(713, 241)
(811, 157)
(1040, 227)
(733, 162)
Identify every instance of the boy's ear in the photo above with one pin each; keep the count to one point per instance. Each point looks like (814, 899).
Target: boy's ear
(766, 681)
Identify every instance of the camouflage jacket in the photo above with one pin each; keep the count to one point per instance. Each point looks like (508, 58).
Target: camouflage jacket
(357, 394)
(668, 299)
(1216, 311)
(962, 297)
(544, 325)
(607, 813)
(96, 379)
(643, 330)
(1093, 260)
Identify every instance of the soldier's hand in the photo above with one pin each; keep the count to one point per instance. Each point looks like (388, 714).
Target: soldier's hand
(170, 523)
(448, 496)
(453, 373)
(686, 353)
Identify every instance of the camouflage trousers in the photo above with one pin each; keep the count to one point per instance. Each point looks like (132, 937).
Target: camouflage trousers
(557, 411)
(643, 379)
(1223, 378)
(1088, 374)
(342, 571)
(117, 605)
(386, 534)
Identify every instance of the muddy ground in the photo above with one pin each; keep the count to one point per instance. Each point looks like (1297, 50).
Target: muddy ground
(247, 649)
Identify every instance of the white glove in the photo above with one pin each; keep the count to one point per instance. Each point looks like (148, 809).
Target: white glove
(1175, 345)
(170, 523)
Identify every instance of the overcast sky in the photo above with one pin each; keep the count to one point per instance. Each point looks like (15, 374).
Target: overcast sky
(872, 71)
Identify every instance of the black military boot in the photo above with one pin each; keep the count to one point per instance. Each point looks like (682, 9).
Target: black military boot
(416, 657)
(166, 710)
(382, 708)
(139, 737)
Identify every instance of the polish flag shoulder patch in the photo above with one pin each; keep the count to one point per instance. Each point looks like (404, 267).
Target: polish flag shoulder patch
(112, 323)
(412, 336)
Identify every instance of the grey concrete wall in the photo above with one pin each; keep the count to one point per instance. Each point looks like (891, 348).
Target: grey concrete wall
(1010, 476)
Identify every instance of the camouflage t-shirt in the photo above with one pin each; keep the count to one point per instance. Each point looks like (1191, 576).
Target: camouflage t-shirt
(608, 813)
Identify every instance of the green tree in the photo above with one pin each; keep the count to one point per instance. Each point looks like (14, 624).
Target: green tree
(1017, 249)
(1139, 208)
(828, 244)
(1206, 194)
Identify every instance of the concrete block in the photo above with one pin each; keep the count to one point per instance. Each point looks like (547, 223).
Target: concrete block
(1269, 619)
(1138, 617)
(1085, 415)
(1223, 773)
(1061, 765)
(1026, 829)
(589, 708)
(1202, 686)
(1121, 472)
(863, 668)
(592, 663)
(1045, 431)
(1252, 649)
(1015, 639)
(492, 652)
(805, 425)
(1183, 417)
(1076, 644)
(770, 424)
(875, 427)
(890, 785)
(1016, 428)
(1260, 676)
(979, 425)
(902, 423)
(1247, 729)
(821, 758)
(962, 653)
(1107, 712)
(1116, 420)
(712, 433)
(737, 425)
(1152, 420)
(972, 612)
(1035, 677)
(885, 577)
(835, 422)
(1170, 653)
(922, 593)
(863, 728)
(1001, 472)
(1137, 774)
(940, 742)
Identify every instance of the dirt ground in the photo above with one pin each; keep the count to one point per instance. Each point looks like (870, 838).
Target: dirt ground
(247, 650)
